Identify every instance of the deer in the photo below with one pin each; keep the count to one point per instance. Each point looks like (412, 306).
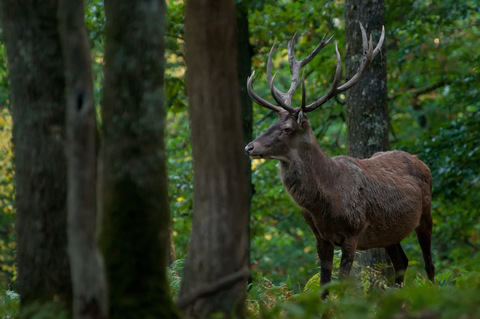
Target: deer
(354, 204)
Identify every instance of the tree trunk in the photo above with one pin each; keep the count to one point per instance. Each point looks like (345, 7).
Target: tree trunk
(367, 104)
(135, 209)
(215, 271)
(89, 286)
(244, 69)
(37, 81)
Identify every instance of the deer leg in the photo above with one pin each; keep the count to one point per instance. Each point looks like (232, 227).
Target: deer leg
(324, 251)
(348, 247)
(399, 261)
(424, 235)
(325, 254)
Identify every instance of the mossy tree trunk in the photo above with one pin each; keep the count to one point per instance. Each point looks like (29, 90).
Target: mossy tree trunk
(88, 278)
(37, 83)
(134, 208)
(215, 271)
(367, 104)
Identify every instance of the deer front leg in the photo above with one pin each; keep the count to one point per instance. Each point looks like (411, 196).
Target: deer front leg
(325, 254)
(324, 251)
(348, 247)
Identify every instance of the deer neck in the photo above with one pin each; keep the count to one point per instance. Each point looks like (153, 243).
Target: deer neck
(308, 172)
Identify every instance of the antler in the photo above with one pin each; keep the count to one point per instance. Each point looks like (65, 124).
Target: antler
(257, 98)
(285, 99)
(368, 54)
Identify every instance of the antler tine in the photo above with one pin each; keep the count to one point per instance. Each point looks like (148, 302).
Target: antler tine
(364, 39)
(296, 65)
(368, 54)
(269, 69)
(367, 58)
(314, 53)
(333, 90)
(278, 98)
(256, 98)
(303, 91)
(378, 48)
(291, 51)
(284, 99)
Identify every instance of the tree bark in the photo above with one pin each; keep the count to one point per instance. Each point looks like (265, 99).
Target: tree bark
(135, 209)
(367, 102)
(88, 278)
(37, 81)
(244, 69)
(215, 271)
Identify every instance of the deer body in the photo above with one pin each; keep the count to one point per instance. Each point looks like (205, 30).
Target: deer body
(380, 200)
(355, 204)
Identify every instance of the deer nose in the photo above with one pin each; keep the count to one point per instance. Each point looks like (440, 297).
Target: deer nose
(249, 148)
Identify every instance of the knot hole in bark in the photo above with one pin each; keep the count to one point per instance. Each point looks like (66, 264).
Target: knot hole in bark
(79, 102)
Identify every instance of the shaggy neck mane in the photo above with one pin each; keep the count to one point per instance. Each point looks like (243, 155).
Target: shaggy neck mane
(308, 172)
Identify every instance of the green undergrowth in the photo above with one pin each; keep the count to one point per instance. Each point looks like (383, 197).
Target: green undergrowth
(9, 302)
(455, 294)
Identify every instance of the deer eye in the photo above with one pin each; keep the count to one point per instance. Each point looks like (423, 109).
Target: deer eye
(287, 129)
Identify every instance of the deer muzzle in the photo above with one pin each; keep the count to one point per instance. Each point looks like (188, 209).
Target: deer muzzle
(249, 148)
(250, 151)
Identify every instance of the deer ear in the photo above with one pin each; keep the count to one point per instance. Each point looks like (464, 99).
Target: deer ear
(302, 118)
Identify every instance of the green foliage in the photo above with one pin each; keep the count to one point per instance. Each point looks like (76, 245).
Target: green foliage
(176, 100)
(433, 71)
(264, 294)
(4, 84)
(7, 202)
(174, 278)
(180, 186)
(419, 299)
(44, 310)
(9, 303)
(453, 155)
(95, 22)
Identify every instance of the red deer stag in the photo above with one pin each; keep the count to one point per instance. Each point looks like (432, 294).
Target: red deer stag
(352, 203)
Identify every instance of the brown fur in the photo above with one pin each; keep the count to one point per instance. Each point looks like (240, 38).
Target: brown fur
(355, 204)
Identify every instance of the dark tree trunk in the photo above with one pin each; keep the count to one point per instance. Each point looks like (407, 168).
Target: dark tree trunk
(244, 69)
(135, 209)
(367, 105)
(215, 272)
(88, 279)
(37, 85)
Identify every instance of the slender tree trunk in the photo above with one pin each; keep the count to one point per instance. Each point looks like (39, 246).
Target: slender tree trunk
(37, 85)
(215, 273)
(367, 105)
(89, 285)
(135, 209)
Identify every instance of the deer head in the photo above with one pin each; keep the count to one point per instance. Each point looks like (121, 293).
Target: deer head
(292, 126)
